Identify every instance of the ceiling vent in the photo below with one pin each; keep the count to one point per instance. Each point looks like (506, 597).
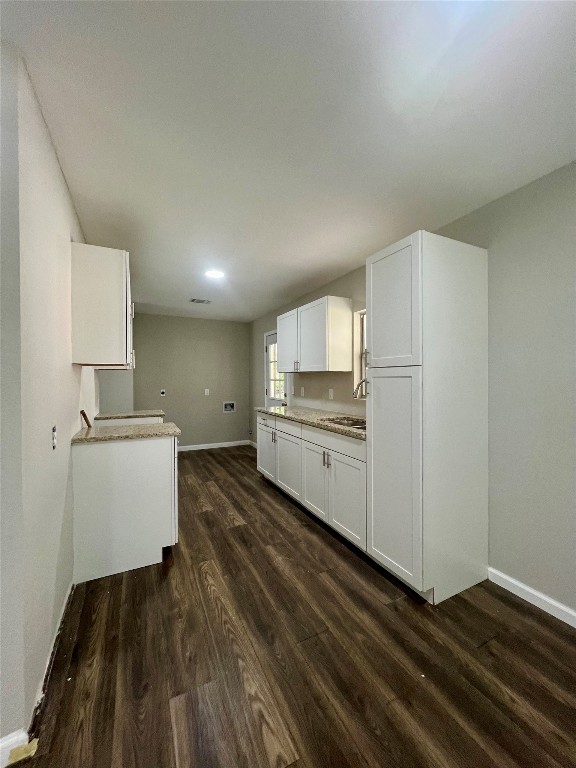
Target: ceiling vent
(200, 301)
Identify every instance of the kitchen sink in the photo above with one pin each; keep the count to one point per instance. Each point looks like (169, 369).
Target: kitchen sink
(347, 421)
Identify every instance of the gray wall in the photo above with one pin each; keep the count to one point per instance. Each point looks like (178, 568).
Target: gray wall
(531, 240)
(12, 710)
(185, 356)
(116, 391)
(316, 385)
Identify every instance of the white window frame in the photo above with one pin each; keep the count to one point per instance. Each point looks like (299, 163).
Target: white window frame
(271, 402)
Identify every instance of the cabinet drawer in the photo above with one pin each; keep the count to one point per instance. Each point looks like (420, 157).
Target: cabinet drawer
(266, 420)
(349, 446)
(293, 428)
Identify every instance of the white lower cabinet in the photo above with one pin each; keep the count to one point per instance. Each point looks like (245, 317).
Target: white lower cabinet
(334, 489)
(266, 461)
(330, 484)
(314, 480)
(289, 463)
(347, 497)
(125, 504)
(280, 458)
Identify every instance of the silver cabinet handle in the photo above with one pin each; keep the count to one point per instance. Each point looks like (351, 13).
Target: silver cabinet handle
(323, 458)
(328, 462)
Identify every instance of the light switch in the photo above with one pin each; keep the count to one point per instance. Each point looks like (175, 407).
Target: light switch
(206, 392)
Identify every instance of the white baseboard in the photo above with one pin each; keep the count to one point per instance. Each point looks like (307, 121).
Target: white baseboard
(539, 599)
(8, 743)
(213, 445)
(252, 443)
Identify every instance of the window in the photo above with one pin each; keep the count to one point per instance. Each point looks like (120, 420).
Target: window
(275, 382)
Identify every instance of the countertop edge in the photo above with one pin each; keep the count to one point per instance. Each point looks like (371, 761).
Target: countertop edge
(130, 415)
(327, 427)
(108, 434)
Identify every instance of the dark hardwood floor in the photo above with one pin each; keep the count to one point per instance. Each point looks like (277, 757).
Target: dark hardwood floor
(264, 641)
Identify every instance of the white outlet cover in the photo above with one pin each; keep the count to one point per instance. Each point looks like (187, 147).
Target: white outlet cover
(330, 394)
(206, 392)
(301, 391)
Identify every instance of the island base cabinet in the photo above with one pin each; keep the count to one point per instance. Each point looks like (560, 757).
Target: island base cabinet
(395, 471)
(347, 497)
(124, 505)
(314, 480)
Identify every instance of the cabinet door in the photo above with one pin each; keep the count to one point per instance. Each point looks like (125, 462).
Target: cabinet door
(314, 479)
(313, 336)
(175, 494)
(347, 497)
(100, 312)
(266, 452)
(289, 464)
(393, 305)
(287, 330)
(394, 440)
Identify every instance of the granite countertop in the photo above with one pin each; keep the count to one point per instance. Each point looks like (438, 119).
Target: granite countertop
(313, 417)
(125, 432)
(129, 415)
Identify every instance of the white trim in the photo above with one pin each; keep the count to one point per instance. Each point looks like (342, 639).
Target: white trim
(213, 445)
(539, 599)
(8, 743)
(252, 443)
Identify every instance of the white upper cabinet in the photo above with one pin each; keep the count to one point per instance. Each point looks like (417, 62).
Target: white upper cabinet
(287, 338)
(394, 304)
(102, 309)
(316, 337)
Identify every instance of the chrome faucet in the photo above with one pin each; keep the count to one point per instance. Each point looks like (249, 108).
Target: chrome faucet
(356, 392)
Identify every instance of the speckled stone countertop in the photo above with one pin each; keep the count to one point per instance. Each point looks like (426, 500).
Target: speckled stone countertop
(125, 432)
(314, 417)
(129, 415)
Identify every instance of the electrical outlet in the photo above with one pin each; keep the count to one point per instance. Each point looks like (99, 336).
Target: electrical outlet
(330, 394)
(206, 392)
(301, 391)
(162, 393)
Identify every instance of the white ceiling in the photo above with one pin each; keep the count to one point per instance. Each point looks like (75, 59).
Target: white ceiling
(284, 142)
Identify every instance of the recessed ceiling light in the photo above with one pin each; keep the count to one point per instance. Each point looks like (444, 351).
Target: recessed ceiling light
(214, 273)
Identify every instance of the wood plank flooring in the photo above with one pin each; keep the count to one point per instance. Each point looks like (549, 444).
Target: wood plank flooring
(265, 641)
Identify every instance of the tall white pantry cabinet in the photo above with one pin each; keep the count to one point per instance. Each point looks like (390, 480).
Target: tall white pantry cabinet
(427, 413)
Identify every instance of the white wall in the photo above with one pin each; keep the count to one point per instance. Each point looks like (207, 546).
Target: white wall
(52, 390)
(531, 240)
